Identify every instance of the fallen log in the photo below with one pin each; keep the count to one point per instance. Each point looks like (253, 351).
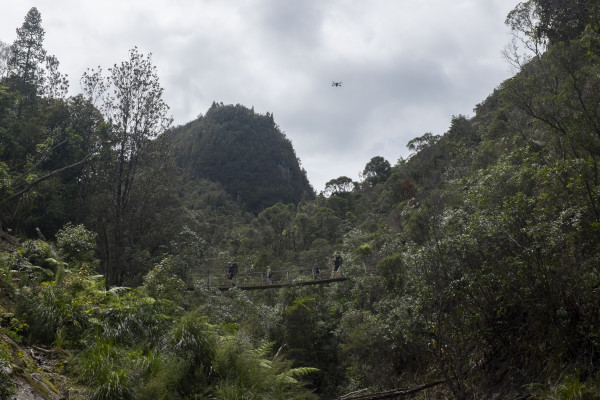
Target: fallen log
(391, 394)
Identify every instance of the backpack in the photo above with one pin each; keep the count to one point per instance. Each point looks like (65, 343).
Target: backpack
(338, 261)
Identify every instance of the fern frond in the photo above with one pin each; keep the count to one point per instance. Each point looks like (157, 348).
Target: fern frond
(118, 290)
(290, 375)
(263, 350)
(301, 371)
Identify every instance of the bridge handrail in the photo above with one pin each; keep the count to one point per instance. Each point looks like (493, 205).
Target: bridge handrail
(258, 278)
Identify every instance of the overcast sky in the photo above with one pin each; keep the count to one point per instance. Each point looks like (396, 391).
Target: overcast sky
(407, 66)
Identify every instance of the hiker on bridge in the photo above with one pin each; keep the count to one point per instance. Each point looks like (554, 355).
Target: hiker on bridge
(232, 273)
(337, 263)
(269, 275)
(316, 271)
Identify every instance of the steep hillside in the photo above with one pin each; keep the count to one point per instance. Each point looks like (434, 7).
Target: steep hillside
(243, 151)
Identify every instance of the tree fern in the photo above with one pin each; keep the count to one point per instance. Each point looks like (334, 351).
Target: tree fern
(245, 372)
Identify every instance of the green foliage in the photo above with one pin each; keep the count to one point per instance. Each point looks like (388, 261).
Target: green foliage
(189, 249)
(339, 186)
(246, 153)
(570, 387)
(4, 178)
(365, 249)
(77, 245)
(377, 170)
(392, 270)
(161, 378)
(162, 283)
(131, 100)
(6, 276)
(277, 227)
(245, 373)
(37, 252)
(193, 340)
(134, 320)
(552, 22)
(28, 54)
(111, 372)
(58, 268)
(306, 337)
(423, 142)
(364, 349)
(45, 144)
(262, 261)
(51, 309)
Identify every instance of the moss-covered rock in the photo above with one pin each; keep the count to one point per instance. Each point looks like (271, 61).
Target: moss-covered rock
(33, 372)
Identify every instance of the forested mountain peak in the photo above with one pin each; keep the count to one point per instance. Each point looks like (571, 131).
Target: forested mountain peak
(245, 152)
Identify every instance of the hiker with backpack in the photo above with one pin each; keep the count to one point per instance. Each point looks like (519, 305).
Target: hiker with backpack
(337, 263)
(232, 273)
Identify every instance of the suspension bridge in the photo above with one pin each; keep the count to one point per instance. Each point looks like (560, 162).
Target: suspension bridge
(282, 285)
(253, 280)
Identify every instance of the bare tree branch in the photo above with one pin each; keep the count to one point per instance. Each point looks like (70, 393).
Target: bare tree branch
(39, 180)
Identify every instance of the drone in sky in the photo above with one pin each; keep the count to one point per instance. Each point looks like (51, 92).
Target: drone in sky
(336, 84)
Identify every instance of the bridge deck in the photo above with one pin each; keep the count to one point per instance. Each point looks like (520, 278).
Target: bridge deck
(282, 285)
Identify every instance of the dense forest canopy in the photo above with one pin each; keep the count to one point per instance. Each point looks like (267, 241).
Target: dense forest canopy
(469, 270)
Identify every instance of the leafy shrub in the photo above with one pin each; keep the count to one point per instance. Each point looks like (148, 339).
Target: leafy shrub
(162, 282)
(11, 260)
(134, 320)
(17, 270)
(365, 249)
(38, 275)
(392, 269)
(77, 244)
(49, 309)
(37, 251)
(110, 371)
(193, 338)
(162, 378)
(14, 327)
(189, 249)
